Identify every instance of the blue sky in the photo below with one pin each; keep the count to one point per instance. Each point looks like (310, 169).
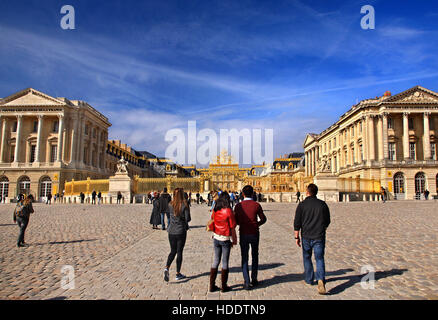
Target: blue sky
(294, 66)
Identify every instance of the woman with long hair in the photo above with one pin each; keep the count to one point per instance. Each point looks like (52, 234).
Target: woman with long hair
(22, 213)
(177, 229)
(224, 232)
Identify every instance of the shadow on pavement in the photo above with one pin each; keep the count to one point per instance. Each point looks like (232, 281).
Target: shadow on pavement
(233, 270)
(7, 224)
(65, 242)
(352, 280)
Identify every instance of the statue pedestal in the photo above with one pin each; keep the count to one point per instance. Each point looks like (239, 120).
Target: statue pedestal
(120, 182)
(327, 186)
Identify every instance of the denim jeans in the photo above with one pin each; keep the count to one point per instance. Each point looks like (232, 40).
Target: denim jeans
(22, 223)
(317, 246)
(245, 242)
(163, 226)
(222, 249)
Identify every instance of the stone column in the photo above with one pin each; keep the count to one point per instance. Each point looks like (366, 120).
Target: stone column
(426, 137)
(39, 138)
(3, 142)
(80, 148)
(385, 135)
(306, 159)
(379, 140)
(406, 135)
(74, 141)
(18, 138)
(60, 137)
(372, 155)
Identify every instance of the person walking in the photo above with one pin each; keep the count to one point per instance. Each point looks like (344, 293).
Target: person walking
(93, 197)
(164, 207)
(99, 198)
(224, 231)
(155, 215)
(22, 213)
(312, 218)
(82, 196)
(197, 197)
(179, 213)
(383, 194)
(249, 217)
(298, 197)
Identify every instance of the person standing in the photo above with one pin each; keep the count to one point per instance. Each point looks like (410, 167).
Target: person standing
(49, 198)
(298, 196)
(93, 197)
(249, 217)
(179, 213)
(232, 199)
(224, 231)
(22, 213)
(312, 218)
(99, 198)
(155, 215)
(82, 196)
(197, 197)
(189, 201)
(164, 207)
(426, 194)
(119, 197)
(383, 194)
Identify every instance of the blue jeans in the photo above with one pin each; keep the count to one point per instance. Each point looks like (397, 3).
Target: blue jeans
(245, 242)
(222, 249)
(22, 223)
(163, 226)
(317, 246)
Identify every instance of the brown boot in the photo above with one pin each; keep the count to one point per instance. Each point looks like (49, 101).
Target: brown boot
(224, 278)
(213, 274)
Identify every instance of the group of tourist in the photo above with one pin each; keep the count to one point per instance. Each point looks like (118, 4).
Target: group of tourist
(312, 217)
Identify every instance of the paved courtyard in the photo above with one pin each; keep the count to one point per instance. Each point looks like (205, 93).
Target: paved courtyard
(117, 255)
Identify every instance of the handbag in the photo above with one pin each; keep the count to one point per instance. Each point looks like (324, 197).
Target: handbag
(210, 224)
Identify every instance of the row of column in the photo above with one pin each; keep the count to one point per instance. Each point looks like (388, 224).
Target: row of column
(19, 134)
(311, 158)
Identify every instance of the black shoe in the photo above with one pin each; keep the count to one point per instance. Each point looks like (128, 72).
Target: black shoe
(254, 283)
(246, 286)
(20, 245)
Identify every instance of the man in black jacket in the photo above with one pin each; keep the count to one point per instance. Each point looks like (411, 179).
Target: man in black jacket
(312, 217)
(164, 199)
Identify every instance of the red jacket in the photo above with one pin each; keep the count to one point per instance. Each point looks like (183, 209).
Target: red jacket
(224, 221)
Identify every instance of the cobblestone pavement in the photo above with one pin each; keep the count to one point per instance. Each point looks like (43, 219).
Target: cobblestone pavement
(117, 255)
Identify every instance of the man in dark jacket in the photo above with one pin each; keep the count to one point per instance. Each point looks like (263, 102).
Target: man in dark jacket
(164, 199)
(312, 217)
(249, 216)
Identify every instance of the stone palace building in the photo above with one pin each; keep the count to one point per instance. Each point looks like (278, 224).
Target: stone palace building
(391, 139)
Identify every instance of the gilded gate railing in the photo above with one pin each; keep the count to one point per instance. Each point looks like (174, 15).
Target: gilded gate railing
(146, 185)
(73, 188)
(359, 185)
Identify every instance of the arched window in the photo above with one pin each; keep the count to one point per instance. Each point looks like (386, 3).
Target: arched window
(4, 187)
(399, 186)
(45, 186)
(420, 183)
(24, 185)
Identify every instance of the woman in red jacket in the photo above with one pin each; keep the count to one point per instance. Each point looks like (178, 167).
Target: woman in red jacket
(224, 232)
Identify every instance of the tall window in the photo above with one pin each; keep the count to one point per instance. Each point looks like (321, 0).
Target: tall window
(390, 123)
(354, 155)
(391, 150)
(12, 153)
(412, 150)
(360, 126)
(86, 129)
(53, 152)
(330, 145)
(411, 123)
(32, 153)
(4, 187)
(24, 185)
(352, 131)
(361, 152)
(35, 126)
(14, 126)
(55, 126)
(335, 164)
(334, 142)
(433, 150)
(45, 187)
(420, 183)
(346, 157)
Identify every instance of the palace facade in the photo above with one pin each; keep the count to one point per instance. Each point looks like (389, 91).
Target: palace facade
(390, 139)
(46, 141)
